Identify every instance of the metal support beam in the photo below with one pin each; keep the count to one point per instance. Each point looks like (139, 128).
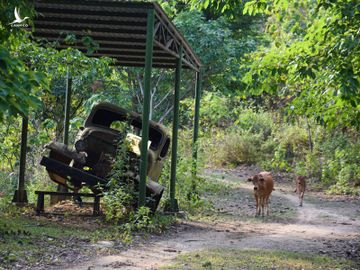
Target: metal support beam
(173, 203)
(20, 195)
(68, 92)
(146, 105)
(67, 107)
(196, 119)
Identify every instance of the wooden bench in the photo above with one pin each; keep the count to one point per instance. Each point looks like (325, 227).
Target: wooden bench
(41, 195)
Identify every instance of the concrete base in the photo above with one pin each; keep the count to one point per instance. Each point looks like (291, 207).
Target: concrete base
(20, 197)
(180, 214)
(171, 207)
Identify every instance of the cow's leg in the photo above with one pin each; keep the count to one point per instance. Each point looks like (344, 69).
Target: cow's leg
(257, 211)
(301, 197)
(267, 205)
(262, 202)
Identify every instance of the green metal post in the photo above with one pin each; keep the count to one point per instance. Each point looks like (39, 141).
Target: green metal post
(68, 92)
(146, 106)
(67, 107)
(196, 118)
(173, 202)
(20, 195)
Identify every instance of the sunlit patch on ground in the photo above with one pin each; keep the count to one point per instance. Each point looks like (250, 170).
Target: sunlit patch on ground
(256, 259)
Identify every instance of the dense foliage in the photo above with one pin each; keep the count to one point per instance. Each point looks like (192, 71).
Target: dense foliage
(296, 107)
(313, 60)
(18, 85)
(280, 76)
(281, 92)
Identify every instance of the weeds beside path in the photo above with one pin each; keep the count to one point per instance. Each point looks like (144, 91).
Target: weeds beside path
(322, 227)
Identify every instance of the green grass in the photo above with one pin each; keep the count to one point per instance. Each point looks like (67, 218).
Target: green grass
(27, 240)
(255, 259)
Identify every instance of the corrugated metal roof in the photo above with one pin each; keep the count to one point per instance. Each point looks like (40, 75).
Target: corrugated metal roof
(118, 27)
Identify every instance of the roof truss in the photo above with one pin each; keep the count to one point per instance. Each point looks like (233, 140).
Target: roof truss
(118, 27)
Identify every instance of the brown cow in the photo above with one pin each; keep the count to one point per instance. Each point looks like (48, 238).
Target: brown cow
(300, 188)
(263, 186)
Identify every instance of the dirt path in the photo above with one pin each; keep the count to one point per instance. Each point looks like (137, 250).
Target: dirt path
(319, 227)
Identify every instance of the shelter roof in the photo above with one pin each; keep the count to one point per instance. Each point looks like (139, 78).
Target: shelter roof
(118, 27)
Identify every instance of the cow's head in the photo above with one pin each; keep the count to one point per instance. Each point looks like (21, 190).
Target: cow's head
(300, 179)
(257, 180)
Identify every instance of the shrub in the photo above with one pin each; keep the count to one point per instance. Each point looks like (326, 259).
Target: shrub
(120, 200)
(231, 148)
(294, 139)
(189, 187)
(120, 196)
(208, 148)
(240, 148)
(340, 157)
(342, 185)
(260, 123)
(292, 146)
(8, 183)
(117, 204)
(214, 111)
(242, 143)
(267, 150)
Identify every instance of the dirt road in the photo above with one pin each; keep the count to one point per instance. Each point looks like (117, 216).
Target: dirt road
(321, 226)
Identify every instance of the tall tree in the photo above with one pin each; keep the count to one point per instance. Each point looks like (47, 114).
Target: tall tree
(313, 60)
(19, 84)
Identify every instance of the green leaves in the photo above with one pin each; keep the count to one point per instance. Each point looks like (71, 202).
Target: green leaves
(219, 47)
(255, 7)
(18, 85)
(228, 8)
(91, 45)
(314, 58)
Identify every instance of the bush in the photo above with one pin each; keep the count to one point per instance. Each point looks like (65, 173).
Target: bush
(189, 187)
(8, 183)
(239, 149)
(242, 142)
(294, 140)
(231, 148)
(214, 111)
(260, 123)
(340, 169)
(120, 200)
(117, 204)
(256, 139)
(342, 185)
(267, 151)
(120, 196)
(292, 146)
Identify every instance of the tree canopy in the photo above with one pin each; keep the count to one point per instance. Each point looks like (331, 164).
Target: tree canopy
(313, 59)
(300, 59)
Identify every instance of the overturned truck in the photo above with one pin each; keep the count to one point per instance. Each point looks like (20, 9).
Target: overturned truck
(96, 146)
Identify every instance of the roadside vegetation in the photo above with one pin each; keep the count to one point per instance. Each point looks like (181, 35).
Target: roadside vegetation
(280, 92)
(256, 259)
(329, 158)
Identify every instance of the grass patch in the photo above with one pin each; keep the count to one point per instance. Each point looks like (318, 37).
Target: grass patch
(255, 259)
(52, 240)
(26, 241)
